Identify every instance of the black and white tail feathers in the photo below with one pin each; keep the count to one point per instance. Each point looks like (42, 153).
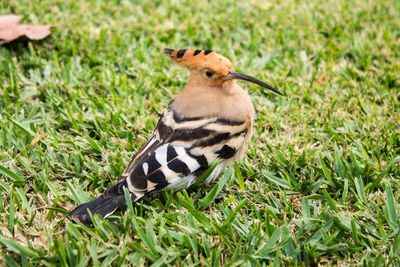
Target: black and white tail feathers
(105, 205)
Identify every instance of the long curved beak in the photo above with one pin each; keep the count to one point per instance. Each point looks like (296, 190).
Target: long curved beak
(241, 76)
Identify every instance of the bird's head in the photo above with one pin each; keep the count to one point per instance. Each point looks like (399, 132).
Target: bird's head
(210, 68)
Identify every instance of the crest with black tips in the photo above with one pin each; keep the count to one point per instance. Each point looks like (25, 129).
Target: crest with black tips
(199, 59)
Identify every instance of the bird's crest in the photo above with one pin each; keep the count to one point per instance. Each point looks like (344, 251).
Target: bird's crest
(199, 59)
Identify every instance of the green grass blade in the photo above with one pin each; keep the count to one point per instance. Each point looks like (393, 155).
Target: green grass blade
(17, 248)
(12, 175)
(216, 189)
(391, 208)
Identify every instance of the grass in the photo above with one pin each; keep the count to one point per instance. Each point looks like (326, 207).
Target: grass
(319, 185)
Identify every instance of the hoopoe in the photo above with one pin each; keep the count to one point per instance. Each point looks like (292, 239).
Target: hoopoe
(211, 120)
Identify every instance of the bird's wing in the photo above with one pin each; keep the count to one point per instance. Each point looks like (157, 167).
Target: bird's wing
(178, 152)
(180, 149)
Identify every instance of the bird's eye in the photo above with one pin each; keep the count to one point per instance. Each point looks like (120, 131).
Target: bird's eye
(208, 74)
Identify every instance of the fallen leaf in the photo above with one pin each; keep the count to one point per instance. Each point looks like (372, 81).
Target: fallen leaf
(10, 30)
(8, 23)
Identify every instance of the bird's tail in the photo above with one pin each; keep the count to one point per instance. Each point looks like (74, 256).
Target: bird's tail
(105, 205)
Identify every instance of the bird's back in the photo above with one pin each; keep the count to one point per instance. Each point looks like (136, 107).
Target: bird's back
(184, 145)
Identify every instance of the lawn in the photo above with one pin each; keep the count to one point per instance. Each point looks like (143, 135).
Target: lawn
(319, 184)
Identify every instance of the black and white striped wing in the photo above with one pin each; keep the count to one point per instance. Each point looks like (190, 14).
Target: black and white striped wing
(180, 149)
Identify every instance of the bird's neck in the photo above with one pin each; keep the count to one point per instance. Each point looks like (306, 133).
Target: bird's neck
(228, 101)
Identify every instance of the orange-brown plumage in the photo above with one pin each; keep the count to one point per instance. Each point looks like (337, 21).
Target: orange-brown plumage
(200, 59)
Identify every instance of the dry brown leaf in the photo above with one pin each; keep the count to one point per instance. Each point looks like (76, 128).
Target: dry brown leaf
(11, 31)
(8, 23)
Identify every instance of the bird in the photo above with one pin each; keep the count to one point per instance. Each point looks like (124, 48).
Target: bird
(209, 122)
